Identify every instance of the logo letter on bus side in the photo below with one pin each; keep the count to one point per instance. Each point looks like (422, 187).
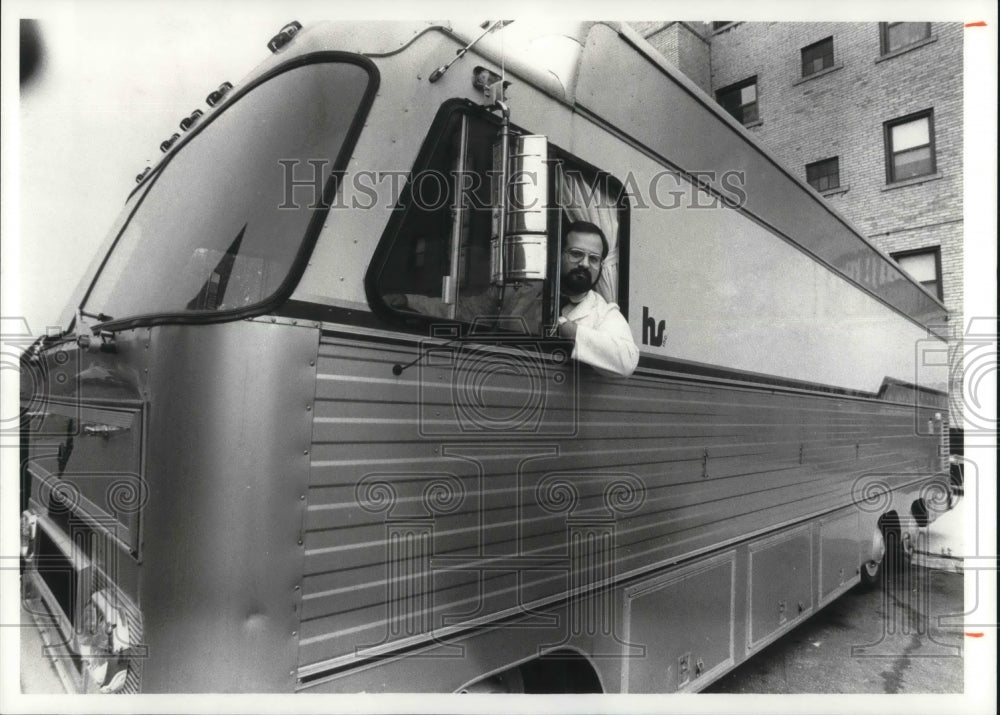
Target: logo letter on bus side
(652, 332)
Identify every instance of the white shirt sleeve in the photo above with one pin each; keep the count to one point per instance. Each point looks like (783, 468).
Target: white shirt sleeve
(604, 341)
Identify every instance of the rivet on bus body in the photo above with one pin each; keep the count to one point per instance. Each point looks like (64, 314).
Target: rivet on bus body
(305, 451)
(312, 362)
(308, 408)
(295, 633)
(296, 588)
(300, 542)
(302, 497)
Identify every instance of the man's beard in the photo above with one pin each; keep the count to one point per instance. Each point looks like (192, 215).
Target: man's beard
(577, 281)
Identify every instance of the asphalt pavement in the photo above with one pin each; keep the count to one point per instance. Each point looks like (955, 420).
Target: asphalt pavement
(905, 637)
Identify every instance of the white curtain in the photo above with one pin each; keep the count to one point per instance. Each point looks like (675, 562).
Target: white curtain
(585, 200)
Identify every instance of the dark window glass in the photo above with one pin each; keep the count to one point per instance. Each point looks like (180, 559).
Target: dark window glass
(924, 266)
(215, 230)
(718, 25)
(897, 35)
(421, 267)
(817, 56)
(419, 261)
(824, 175)
(740, 100)
(910, 147)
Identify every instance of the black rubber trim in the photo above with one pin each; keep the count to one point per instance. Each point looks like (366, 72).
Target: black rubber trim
(343, 319)
(316, 222)
(754, 379)
(321, 312)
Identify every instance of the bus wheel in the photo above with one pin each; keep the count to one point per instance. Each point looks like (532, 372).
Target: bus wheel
(873, 569)
(898, 544)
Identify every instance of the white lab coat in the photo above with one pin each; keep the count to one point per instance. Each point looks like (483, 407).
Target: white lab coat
(603, 337)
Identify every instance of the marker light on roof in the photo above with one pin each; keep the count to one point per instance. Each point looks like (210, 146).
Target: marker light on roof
(190, 120)
(284, 36)
(167, 143)
(215, 97)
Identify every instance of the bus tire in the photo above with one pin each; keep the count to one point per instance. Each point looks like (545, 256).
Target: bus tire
(873, 570)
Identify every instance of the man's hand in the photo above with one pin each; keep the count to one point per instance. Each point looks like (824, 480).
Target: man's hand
(396, 300)
(567, 329)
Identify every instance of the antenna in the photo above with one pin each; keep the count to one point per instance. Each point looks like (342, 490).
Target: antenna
(503, 63)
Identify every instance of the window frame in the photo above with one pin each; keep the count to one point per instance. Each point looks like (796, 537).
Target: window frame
(593, 173)
(401, 214)
(420, 323)
(890, 154)
(813, 46)
(738, 87)
(813, 164)
(883, 35)
(281, 295)
(927, 250)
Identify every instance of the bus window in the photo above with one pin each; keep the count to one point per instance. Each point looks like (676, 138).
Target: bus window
(585, 195)
(217, 229)
(446, 200)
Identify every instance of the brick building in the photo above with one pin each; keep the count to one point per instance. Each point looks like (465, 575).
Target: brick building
(870, 114)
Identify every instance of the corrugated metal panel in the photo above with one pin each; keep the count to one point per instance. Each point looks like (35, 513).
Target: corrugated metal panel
(407, 532)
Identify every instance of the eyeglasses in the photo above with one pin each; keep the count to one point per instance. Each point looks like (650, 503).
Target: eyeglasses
(577, 256)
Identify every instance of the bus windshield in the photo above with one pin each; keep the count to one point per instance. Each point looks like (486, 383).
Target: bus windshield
(223, 221)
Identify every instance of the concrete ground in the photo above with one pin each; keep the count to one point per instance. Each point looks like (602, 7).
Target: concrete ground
(896, 639)
(941, 545)
(38, 675)
(887, 641)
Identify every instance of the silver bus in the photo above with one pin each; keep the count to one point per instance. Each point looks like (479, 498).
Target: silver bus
(279, 446)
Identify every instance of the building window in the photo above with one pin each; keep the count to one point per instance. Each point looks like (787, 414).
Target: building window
(909, 146)
(740, 100)
(924, 266)
(897, 35)
(817, 56)
(824, 175)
